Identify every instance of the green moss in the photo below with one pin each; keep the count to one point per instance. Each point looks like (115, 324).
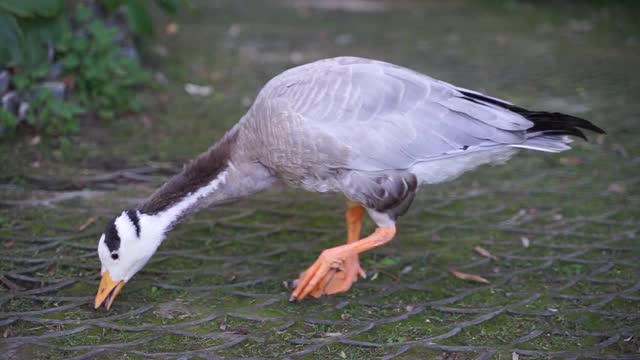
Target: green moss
(94, 336)
(339, 351)
(557, 343)
(501, 331)
(562, 209)
(421, 326)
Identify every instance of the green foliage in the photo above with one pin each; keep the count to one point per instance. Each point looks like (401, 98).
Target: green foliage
(8, 122)
(52, 115)
(28, 26)
(32, 8)
(47, 113)
(139, 18)
(139, 13)
(103, 77)
(26, 29)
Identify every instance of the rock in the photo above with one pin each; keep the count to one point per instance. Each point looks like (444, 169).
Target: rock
(128, 49)
(198, 90)
(10, 102)
(51, 52)
(4, 82)
(22, 110)
(130, 52)
(55, 72)
(57, 88)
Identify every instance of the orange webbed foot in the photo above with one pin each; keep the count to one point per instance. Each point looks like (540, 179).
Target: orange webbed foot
(335, 271)
(337, 268)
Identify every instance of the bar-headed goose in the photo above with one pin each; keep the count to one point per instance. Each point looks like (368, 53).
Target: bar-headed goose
(371, 130)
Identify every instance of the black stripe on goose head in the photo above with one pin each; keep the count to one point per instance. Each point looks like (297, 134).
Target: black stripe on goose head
(111, 236)
(133, 216)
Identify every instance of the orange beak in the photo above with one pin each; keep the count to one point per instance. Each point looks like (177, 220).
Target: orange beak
(108, 291)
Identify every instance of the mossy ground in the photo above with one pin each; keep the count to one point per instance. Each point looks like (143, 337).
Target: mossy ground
(216, 286)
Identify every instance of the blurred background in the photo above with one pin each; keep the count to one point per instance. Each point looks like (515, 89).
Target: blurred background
(102, 100)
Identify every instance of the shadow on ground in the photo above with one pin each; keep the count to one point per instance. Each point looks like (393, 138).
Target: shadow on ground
(563, 228)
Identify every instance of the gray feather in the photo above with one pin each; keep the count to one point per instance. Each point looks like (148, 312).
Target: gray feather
(375, 131)
(391, 117)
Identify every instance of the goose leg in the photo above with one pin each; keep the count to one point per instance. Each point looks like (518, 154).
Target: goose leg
(341, 280)
(354, 225)
(333, 261)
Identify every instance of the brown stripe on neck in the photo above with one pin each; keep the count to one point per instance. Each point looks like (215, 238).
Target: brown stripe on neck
(196, 174)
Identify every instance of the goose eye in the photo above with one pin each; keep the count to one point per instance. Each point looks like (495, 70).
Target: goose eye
(114, 256)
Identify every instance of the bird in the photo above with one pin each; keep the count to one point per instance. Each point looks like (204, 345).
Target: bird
(371, 130)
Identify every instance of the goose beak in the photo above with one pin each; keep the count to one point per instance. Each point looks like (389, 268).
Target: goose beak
(108, 291)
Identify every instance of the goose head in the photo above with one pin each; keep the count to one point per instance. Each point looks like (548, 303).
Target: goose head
(126, 245)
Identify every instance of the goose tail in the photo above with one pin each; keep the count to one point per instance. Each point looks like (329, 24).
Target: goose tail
(550, 131)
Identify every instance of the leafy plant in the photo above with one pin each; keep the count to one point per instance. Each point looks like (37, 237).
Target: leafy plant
(47, 113)
(51, 114)
(8, 122)
(27, 29)
(139, 14)
(102, 76)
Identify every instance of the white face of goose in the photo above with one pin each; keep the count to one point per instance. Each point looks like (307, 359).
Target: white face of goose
(124, 248)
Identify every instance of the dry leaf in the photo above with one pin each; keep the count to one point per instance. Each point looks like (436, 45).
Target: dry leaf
(172, 28)
(469, 277)
(570, 161)
(35, 140)
(87, 223)
(55, 327)
(484, 252)
(407, 269)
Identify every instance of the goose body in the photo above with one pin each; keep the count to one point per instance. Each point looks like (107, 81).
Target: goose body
(374, 131)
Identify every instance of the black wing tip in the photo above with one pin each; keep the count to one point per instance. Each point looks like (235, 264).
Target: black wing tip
(548, 122)
(560, 124)
(580, 122)
(594, 128)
